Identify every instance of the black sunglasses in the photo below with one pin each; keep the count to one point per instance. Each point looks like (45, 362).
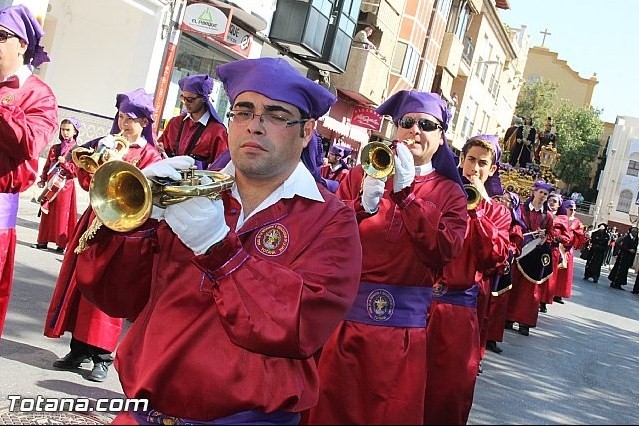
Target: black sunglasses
(4, 36)
(424, 124)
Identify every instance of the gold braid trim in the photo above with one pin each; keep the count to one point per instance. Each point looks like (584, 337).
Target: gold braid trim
(88, 234)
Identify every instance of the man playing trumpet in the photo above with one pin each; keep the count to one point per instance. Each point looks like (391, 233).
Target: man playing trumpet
(410, 225)
(460, 298)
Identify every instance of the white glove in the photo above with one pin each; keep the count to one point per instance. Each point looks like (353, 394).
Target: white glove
(198, 222)
(404, 168)
(169, 167)
(108, 142)
(372, 192)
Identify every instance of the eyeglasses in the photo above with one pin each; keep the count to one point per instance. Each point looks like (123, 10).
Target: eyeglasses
(189, 100)
(4, 36)
(266, 119)
(423, 124)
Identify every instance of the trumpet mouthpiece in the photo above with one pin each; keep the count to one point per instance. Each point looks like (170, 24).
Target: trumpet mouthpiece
(409, 142)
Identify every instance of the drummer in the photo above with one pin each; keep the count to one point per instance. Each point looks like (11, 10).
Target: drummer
(523, 305)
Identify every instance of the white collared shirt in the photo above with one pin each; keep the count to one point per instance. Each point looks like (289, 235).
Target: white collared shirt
(204, 120)
(533, 209)
(424, 169)
(141, 142)
(22, 73)
(300, 182)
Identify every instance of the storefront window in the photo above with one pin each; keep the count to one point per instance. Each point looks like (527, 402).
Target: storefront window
(194, 56)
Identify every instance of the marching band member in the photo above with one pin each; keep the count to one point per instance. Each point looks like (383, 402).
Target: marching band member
(28, 121)
(546, 297)
(238, 293)
(453, 350)
(336, 169)
(534, 268)
(94, 334)
(58, 208)
(410, 227)
(500, 293)
(576, 228)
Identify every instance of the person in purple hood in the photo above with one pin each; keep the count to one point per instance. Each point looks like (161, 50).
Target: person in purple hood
(373, 369)
(232, 297)
(28, 122)
(198, 132)
(58, 206)
(94, 334)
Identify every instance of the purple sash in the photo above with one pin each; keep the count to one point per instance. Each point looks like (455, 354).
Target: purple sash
(390, 305)
(466, 297)
(8, 210)
(251, 417)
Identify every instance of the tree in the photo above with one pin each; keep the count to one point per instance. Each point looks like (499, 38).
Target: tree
(536, 99)
(578, 131)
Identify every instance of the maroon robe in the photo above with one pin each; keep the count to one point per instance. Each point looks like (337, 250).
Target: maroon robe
(234, 329)
(453, 350)
(68, 309)
(58, 224)
(498, 303)
(564, 276)
(338, 175)
(413, 234)
(212, 142)
(28, 121)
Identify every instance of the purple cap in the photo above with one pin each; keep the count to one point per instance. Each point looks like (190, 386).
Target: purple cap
(21, 21)
(276, 79)
(338, 150)
(202, 84)
(404, 102)
(74, 122)
(540, 184)
(136, 104)
(568, 204)
(516, 209)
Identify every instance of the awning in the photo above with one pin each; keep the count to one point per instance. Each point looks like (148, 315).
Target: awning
(356, 133)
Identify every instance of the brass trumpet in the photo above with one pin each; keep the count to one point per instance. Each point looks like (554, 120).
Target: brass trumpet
(91, 159)
(473, 197)
(122, 197)
(378, 159)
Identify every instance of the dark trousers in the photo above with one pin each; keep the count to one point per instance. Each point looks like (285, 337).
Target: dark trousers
(79, 348)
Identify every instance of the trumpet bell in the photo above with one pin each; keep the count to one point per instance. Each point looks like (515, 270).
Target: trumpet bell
(377, 159)
(120, 196)
(473, 197)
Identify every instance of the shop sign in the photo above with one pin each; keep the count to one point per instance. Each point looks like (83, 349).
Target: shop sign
(239, 37)
(206, 19)
(367, 118)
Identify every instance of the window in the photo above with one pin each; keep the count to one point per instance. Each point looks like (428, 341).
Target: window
(443, 7)
(398, 57)
(625, 199)
(405, 61)
(633, 168)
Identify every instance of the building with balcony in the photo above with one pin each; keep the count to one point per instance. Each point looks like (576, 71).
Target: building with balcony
(477, 65)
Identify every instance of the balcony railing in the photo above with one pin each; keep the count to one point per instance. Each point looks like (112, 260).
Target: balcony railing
(366, 74)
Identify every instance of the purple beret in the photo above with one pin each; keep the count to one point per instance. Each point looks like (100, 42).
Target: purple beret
(494, 141)
(493, 183)
(136, 104)
(21, 21)
(202, 84)
(516, 209)
(540, 184)
(405, 102)
(74, 122)
(338, 150)
(276, 79)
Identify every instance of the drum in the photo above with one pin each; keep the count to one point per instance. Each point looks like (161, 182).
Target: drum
(54, 185)
(536, 264)
(529, 246)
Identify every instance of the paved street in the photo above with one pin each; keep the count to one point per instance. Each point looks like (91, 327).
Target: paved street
(578, 367)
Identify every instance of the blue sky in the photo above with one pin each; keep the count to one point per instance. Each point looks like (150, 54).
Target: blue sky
(593, 37)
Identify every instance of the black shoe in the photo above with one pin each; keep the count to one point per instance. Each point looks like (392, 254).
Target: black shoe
(491, 345)
(542, 308)
(480, 369)
(70, 361)
(99, 372)
(39, 246)
(585, 278)
(509, 325)
(558, 300)
(59, 250)
(524, 330)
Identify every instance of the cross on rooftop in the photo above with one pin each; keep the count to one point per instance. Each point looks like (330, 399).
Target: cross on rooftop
(545, 33)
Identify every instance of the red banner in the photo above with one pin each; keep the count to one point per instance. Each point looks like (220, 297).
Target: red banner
(367, 118)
